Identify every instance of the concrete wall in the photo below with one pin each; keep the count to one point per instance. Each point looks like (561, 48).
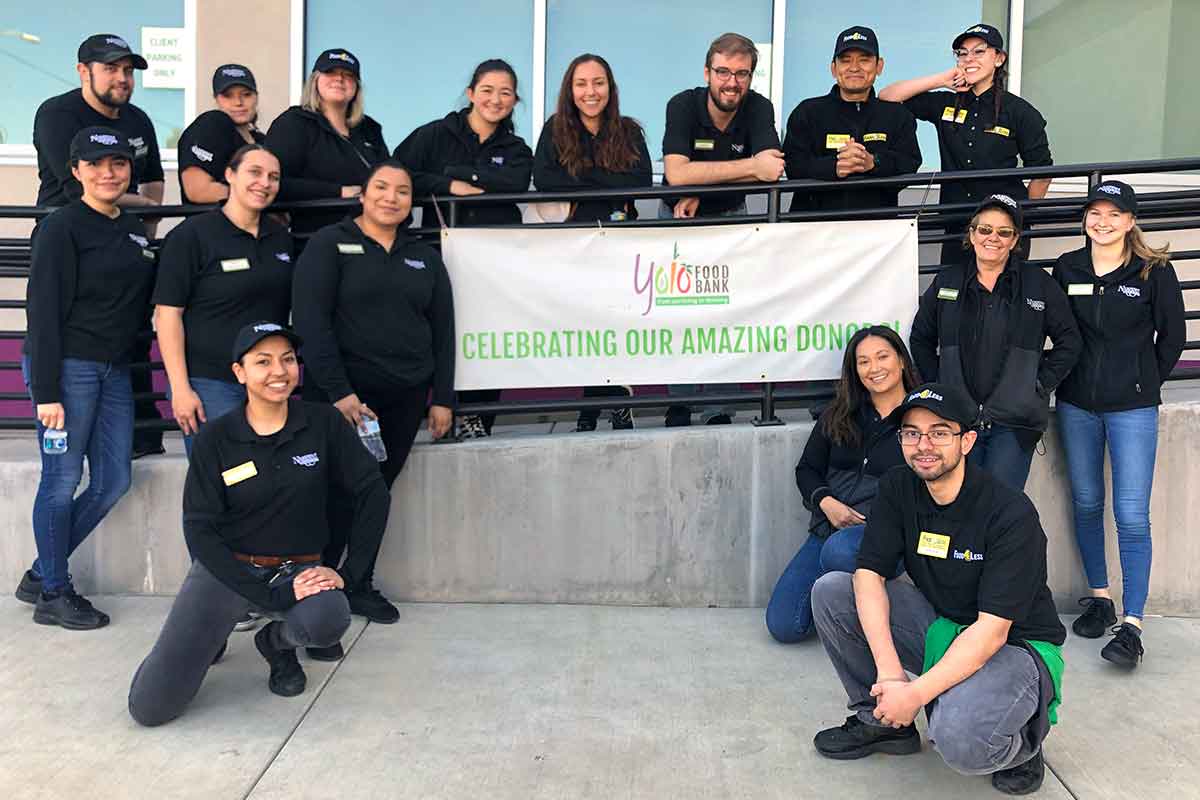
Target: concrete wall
(705, 516)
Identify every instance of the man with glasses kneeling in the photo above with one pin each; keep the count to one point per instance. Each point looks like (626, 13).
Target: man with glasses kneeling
(977, 623)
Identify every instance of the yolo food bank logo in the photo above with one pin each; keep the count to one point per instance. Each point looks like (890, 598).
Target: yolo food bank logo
(680, 283)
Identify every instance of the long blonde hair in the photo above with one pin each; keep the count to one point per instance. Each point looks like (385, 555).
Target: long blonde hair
(1136, 245)
(310, 100)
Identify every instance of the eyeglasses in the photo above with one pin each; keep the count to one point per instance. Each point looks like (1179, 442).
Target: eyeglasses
(962, 54)
(723, 74)
(988, 230)
(938, 437)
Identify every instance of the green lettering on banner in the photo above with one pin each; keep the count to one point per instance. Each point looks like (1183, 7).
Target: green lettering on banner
(539, 344)
(706, 340)
(468, 346)
(801, 338)
(835, 337)
(689, 343)
(702, 300)
(610, 342)
(781, 342)
(523, 344)
(508, 344)
(554, 349)
(725, 345)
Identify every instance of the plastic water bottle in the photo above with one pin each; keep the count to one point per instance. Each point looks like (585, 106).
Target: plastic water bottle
(368, 433)
(54, 442)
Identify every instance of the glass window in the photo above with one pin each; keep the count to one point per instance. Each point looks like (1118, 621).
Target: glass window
(39, 45)
(914, 40)
(421, 74)
(1112, 77)
(656, 48)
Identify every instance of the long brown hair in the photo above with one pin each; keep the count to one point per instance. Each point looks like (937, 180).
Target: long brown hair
(840, 420)
(999, 87)
(615, 147)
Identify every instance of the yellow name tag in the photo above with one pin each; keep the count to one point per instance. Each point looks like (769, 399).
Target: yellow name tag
(350, 249)
(999, 130)
(836, 141)
(234, 264)
(239, 473)
(1081, 288)
(947, 294)
(948, 114)
(934, 545)
(962, 116)
(703, 144)
(875, 137)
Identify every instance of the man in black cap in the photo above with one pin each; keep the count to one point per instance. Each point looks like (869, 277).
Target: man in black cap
(206, 146)
(977, 623)
(849, 132)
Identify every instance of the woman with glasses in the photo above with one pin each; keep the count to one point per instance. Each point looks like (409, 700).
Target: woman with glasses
(982, 327)
(849, 449)
(980, 124)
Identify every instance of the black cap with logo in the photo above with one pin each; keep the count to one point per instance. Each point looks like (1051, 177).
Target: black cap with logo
(99, 141)
(856, 38)
(337, 58)
(228, 75)
(948, 402)
(255, 332)
(1119, 194)
(1006, 204)
(107, 48)
(988, 33)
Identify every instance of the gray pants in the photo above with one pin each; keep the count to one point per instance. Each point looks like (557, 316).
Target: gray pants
(200, 621)
(976, 725)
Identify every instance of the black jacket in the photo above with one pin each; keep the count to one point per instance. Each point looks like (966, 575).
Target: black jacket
(849, 474)
(317, 161)
(1133, 332)
(1027, 374)
(815, 131)
(209, 143)
(549, 175)
(447, 149)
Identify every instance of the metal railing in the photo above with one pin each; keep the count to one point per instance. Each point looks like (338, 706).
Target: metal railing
(1046, 218)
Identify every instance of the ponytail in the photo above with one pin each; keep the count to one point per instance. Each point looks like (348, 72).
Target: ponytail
(1137, 246)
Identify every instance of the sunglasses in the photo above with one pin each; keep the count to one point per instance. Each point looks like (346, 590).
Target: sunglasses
(988, 230)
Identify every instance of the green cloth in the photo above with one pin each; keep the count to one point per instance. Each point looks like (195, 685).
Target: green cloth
(943, 632)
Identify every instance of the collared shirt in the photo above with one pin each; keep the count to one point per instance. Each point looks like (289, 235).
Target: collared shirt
(266, 495)
(88, 293)
(691, 132)
(983, 336)
(208, 143)
(223, 278)
(56, 123)
(971, 137)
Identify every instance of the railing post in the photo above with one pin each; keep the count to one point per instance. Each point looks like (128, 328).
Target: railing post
(773, 197)
(453, 214)
(1094, 179)
(766, 411)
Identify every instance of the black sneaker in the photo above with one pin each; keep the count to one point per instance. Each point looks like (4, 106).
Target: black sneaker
(720, 419)
(29, 589)
(369, 603)
(678, 417)
(68, 610)
(331, 653)
(1098, 616)
(287, 678)
(855, 739)
(143, 450)
(1024, 779)
(248, 622)
(472, 427)
(585, 425)
(622, 419)
(1125, 648)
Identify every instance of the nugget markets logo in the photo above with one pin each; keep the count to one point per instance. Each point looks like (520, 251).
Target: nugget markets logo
(680, 283)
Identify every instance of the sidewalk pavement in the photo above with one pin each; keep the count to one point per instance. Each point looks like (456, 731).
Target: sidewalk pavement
(527, 701)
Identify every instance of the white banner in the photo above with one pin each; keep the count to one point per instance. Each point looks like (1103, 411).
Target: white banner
(715, 304)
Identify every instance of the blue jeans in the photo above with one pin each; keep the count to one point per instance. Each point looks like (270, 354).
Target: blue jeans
(1000, 452)
(1132, 439)
(218, 397)
(789, 612)
(97, 402)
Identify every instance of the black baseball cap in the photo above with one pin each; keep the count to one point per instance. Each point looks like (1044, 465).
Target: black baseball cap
(1006, 204)
(338, 58)
(988, 33)
(948, 402)
(856, 38)
(255, 332)
(228, 75)
(107, 48)
(98, 141)
(1119, 194)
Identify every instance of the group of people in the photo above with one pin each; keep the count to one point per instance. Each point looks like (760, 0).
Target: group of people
(284, 509)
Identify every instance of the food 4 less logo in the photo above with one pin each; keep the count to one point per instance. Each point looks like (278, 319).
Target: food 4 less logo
(680, 283)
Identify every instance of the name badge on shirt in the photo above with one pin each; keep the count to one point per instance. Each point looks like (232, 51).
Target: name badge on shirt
(836, 141)
(350, 249)
(239, 473)
(999, 130)
(934, 545)
(875, 137)
(1081, 288)
(703, 144)
(234, 264)
(947, 294)
(948, 114)
(148, 254)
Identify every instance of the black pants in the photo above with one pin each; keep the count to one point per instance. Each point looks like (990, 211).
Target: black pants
(482, 396)
(200, 621)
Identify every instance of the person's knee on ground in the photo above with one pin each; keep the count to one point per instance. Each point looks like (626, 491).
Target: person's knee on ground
(319, 620)
(152, 702)
(783, 627)
(958, 738)
(832, 594)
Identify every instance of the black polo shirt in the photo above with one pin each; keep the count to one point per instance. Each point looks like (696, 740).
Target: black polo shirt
(373, 320)
(984, 552)
(208, 143)
(89, 286)
(60, 118)
(266, 495)
(983, 336)
(223, 278)
(971, 137)
(691, 132)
